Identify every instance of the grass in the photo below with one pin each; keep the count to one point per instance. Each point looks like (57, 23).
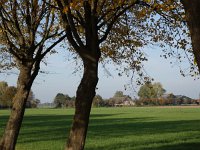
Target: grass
(147, 128)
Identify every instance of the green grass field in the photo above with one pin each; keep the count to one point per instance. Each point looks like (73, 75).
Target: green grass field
(112, 128)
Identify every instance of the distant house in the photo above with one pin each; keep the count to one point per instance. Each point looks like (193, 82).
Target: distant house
(124, 101)
(178, 99)
(183, 97)
(198, 101)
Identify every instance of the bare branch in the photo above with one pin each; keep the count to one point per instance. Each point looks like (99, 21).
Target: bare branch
(53, 45)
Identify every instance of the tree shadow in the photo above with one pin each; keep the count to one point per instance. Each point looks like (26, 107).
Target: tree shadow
(138, 126)
(51, 127)
(181, 146)
(120, 129)
(3, 121)
(44, 127)
(150, 146)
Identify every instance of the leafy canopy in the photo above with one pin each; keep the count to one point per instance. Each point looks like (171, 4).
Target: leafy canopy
(27, 29)
(123, 29)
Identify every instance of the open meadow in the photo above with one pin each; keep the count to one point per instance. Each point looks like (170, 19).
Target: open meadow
(131, 128)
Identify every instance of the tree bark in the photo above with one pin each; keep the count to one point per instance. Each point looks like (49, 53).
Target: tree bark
(84, 98)
(192, 10)
(9, 138)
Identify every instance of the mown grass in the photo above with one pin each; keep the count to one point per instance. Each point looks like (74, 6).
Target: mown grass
(112, 128)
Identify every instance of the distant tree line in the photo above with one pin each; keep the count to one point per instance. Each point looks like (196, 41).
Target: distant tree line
(155, 94)
(149, 95)
(167, 101)
(119, 99)
(7, 94)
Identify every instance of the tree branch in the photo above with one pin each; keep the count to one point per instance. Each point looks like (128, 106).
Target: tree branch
(110, 25)
(67, 27)
(53, 45)
(73, 28)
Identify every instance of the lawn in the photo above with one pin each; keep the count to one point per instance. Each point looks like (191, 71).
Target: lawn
(135, 128)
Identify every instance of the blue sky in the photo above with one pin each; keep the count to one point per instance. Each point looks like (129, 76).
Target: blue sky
(61, 78)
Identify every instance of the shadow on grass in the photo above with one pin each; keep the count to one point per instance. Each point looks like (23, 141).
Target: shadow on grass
(3, 121)
(131, 126)
(182, 146)
(143, 128)
(162, 146)
(43, 128)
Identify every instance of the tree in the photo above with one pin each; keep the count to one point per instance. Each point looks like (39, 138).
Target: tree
(34, 103)
(112, 30)
(149, 91)
(60, 100)
(26, 27)
(98, 101)
(3, 86)
(159, 91)
(8, 92)
(69, 101)
(30, 100)
(192, 17)
(37, 102)
(8, 95)
(118, 94)
(172, 99)
(146, 91)
(90, 53)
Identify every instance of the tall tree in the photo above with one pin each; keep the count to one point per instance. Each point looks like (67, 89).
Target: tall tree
(84, 15)
(100, 30)
(26, 27)
(192, 10)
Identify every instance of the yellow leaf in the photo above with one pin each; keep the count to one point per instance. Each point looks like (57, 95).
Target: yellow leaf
(66, 9)
(148, 1)
(195, 62)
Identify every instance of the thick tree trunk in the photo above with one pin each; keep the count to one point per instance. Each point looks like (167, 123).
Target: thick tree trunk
(192, 9)
(9, 138)
(84, 98)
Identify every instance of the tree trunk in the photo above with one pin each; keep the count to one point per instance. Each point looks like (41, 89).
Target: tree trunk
(192, 9)
(84, 98)
(9, 138)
